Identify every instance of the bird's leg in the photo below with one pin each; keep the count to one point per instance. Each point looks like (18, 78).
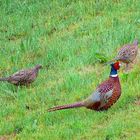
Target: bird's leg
(28, 85)
(126, 68)
(17, 88)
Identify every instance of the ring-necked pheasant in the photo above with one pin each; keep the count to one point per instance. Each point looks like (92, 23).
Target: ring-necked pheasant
(23, 77)
(106, 94)
(127, 54)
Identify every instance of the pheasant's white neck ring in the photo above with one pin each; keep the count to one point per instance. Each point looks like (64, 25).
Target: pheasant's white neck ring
(115, 75)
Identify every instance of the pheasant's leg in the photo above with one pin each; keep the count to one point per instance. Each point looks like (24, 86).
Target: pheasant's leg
(28, 85)
(15, 88)
(129, 67)
(126, 68)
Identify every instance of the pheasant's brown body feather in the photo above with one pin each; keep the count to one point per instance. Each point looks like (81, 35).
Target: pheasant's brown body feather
(127, 53)
(115, 96)
(106, 86)
(23, 77)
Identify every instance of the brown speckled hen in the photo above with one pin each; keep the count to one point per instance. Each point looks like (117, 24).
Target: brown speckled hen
(23, 77)
(127, 54)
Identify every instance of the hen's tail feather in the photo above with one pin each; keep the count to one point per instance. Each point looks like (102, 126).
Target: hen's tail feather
(112, 61)
(3, 79)
(74, 105)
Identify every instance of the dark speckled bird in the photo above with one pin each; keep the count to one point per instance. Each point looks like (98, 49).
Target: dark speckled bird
(106, 94)
(127, 54)
(23, 77)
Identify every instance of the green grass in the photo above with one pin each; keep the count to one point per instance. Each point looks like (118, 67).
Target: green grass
(71, 39)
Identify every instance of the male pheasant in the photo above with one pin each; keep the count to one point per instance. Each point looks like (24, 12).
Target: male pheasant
(106, 94)
(23, 77)
(127, 54)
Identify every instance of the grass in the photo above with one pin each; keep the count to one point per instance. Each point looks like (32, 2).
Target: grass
(71, 39)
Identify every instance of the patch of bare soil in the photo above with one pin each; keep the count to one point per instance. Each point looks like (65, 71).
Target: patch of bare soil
(8, 137)
(12, 135)
(137, 101)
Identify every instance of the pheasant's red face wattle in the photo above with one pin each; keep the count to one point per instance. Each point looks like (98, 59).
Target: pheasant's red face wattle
(117, 65)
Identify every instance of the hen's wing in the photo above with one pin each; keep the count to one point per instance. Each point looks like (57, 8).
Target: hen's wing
(20, 76)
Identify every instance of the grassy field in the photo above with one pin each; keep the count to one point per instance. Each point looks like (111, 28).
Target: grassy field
(71, 39)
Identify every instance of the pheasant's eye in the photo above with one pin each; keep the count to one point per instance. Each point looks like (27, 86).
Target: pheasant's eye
(133, 52)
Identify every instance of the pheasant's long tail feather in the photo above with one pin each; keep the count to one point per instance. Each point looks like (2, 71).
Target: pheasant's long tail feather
(3, 79)
(74, 105)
